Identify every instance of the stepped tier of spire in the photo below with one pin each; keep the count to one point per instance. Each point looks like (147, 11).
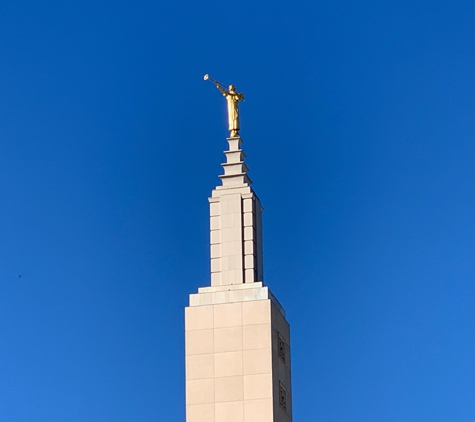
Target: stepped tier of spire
(235, 169)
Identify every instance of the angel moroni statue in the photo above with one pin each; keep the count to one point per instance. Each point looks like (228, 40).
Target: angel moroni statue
(232, 98)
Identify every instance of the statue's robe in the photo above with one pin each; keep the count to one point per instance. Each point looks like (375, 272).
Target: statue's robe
(233, 111)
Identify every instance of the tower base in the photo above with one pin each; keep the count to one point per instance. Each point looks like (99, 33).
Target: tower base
(237, 356)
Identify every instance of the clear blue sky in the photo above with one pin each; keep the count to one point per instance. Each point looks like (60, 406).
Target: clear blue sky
(360, 134)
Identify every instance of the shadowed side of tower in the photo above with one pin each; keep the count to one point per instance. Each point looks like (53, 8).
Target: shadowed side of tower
(237, 339)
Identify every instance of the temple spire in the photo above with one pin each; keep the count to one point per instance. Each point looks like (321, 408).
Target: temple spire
(235, 169)
(237, 340)
(236, 223)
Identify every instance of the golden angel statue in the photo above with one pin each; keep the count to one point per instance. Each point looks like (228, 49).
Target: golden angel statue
(232, 98)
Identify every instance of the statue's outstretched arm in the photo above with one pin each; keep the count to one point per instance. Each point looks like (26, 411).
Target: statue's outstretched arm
(223, 91)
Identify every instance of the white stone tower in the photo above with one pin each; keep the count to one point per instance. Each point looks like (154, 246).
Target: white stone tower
(237, 337)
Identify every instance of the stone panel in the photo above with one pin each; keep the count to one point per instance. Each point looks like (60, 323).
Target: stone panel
(231, 248)
(248, 219)
(214, 209)
(258, 410)
(200, 366)
(199, 342)
(249, 261)
(215, 265)
(257, 386)
(215, 223)
(256, 312)
(228, 339)
(229, 411)
(199, 318)
(230, 235)
(231, 204)
(200, 413)
(228, 364)
(257, 361)
(248, 233)
(215, 251)
(215, 237)
(256, 336)
(250, 275)
(249, 247)
(216, 279)
(227, 315)
(231, 220)
(229, 389)
(247, 205)
(200, 391)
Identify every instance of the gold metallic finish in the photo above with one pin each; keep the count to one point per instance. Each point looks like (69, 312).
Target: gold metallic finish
(232, 98)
